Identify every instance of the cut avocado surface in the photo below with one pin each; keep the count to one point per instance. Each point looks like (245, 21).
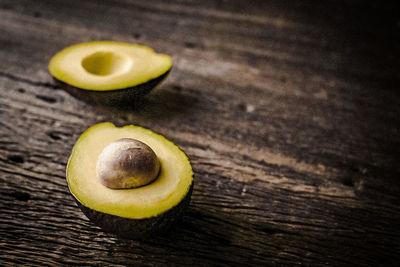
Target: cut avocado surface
(107, 65)
(109, 69)
(143, 208)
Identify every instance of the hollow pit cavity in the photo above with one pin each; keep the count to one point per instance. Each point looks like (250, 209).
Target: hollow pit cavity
(105, 63)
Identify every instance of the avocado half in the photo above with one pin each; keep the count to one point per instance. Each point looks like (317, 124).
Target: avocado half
(109, 72)
(129, 213)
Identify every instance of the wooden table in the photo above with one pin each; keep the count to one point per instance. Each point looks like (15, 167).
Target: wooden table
(288, 110)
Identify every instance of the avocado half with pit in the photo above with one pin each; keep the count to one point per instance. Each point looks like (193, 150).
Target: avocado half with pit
(129, 180)
(109, 72)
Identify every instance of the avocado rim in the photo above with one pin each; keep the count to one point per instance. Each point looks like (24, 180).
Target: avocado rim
(129, 228)
(123, 96)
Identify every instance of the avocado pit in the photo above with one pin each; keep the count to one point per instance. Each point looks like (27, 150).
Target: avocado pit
(127, 163)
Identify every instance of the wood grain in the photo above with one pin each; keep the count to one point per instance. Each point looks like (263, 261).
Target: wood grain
(288, 111)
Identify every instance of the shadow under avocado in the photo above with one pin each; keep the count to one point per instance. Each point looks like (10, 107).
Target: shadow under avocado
(163, 103)
(207, 228)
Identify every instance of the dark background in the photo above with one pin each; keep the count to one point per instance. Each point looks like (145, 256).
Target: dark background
(288, 110)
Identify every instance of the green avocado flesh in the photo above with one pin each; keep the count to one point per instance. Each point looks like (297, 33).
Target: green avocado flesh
(169, 189)
(107, 65)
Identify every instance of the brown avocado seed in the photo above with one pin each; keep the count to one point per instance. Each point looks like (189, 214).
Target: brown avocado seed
(127, 163)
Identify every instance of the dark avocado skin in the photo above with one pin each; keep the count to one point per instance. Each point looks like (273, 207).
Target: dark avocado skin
(116, 97)
(137, 228)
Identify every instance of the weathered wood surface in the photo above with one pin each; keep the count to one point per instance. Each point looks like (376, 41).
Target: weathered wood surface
(289, 112)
